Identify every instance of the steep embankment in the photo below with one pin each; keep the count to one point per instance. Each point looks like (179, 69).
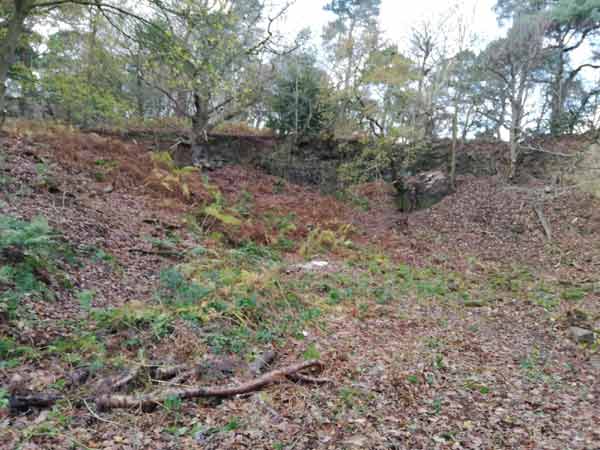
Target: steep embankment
(445, 329)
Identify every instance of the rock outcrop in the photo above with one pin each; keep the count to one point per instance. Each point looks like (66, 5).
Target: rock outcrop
(422, 190)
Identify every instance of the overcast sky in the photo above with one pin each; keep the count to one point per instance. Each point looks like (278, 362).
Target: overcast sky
(398, 16)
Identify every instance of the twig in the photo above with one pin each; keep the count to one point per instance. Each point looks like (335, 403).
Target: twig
(96, 416)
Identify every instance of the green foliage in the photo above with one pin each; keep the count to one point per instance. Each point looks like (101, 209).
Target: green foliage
(169, 176)
(208, 50)
(323, 241)
(29, 250)
(300, 101)
(474, 385)
(4, 398)
(216, 212)
(85, 299)
(577, 12)
(173, 403)
(83, 103)
(311, 353)
(174, 287)
(79, 92)
(136, 315)
(573, 294)
(12, 354)
(372, 163)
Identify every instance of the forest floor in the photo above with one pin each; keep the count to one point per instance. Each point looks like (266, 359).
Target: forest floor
(445, 329)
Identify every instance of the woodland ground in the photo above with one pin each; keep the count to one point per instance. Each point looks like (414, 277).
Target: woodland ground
(446, 329)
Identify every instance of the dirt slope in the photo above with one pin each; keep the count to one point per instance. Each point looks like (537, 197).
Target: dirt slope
(447, 329)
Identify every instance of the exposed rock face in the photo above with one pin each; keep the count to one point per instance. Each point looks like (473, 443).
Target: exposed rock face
(316, 161)
(476, 158)
(422, 190)
(586, 173)
(310, 161)
(223, 149)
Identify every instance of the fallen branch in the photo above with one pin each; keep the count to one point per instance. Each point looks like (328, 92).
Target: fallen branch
(543, 221)
(150, 401)
(163, 253)
(299, 378)
(166, 373)
(182, 377)
(24, 402)
(115, 384)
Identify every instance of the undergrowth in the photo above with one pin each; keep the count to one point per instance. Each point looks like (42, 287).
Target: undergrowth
(30, 253)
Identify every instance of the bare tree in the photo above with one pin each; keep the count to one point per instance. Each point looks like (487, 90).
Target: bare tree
(513, 61)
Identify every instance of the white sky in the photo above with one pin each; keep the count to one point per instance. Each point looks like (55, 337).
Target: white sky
(398, 17)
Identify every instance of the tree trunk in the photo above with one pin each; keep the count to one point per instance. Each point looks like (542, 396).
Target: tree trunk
(558, 98)
(139, 94)
(454, 146)
(181, 109)
(515, 128)
(199, 129)
(9, 45)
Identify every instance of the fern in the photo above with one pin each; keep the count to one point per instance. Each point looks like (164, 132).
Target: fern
(216, 212)
(27, 253)
(34, 236)
(169, 176)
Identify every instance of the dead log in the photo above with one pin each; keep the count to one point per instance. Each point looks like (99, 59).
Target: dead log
(150, 401)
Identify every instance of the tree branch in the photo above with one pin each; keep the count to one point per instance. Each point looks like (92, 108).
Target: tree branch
(96, 4)
(148, 402)
(576, 71)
